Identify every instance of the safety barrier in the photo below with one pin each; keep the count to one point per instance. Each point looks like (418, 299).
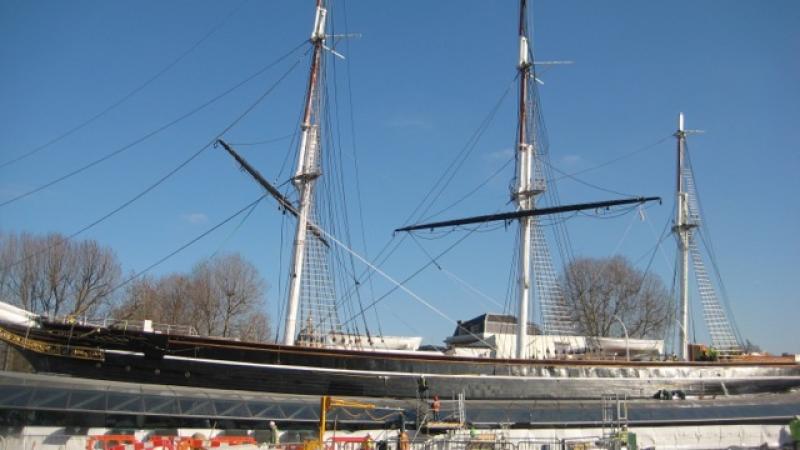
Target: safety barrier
(129, 442)
(109, 441)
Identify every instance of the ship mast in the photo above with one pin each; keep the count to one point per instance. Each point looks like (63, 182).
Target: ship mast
(307, 173)
(682, 229)
(524, 194)
(528, 186)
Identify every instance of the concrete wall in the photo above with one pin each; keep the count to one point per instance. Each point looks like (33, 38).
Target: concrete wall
(693, 437)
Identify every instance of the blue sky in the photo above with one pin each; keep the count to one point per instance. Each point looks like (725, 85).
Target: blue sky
(423, 75)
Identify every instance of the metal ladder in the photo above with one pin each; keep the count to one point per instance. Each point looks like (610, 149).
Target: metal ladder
(615, 419)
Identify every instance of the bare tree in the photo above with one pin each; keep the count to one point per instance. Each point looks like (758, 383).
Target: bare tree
(222, 296)
(228, 290)
(239, 289)
(254, 327)
(8, 251)
(141, 301)
(597, 290)
(52, 275)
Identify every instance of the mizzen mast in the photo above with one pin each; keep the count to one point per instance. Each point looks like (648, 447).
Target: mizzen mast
(682, 229)
(308, 171)
(721, 328)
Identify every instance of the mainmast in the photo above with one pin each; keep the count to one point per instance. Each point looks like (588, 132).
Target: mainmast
(529, 185)
(524, 194)
(307, 172)
(682, 229)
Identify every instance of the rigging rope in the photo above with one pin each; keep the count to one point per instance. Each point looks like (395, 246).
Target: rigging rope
(551, 297)
(393, 244)
(564, 174)
(265, 141)
(664, 234)
(249, 206)
(474, 190)
(235, 229)
(359, 202)
(625, 233)
(151, 133)
(166, 176)
(454, 276)
(705, 236)
(280, 285)
(399, 285)
(456, 164)
(413, 275)
(130, 94)
(617, 159)
(344, 216)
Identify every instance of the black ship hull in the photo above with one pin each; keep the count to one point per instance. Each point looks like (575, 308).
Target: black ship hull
(203, 362)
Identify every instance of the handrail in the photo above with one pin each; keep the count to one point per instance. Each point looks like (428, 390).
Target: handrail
(135, 325)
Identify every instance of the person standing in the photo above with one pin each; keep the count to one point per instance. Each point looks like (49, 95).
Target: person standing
(794, 431)
(369, 443)
(275, 434)
(436, 407)
(405, 442)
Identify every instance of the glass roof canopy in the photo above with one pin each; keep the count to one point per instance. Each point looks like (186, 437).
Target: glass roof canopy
(60, 393)
(53, 393)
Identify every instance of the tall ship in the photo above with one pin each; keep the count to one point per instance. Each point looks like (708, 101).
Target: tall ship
(493, 356)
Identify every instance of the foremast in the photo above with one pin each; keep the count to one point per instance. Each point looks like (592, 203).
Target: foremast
(307, 172)
(525, 193)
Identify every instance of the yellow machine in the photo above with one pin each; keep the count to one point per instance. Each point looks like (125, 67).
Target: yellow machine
(326, 404)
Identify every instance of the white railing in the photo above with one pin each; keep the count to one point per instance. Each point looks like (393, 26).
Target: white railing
(137, 325)
(481, 441)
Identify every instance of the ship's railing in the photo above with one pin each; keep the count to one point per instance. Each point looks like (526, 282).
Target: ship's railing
(137, 325)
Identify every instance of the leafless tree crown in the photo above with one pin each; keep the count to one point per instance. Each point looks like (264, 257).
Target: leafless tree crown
(597, 290)
(222, 296)
(54, 276)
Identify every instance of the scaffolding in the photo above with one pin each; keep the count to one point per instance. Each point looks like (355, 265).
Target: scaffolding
(615, 421)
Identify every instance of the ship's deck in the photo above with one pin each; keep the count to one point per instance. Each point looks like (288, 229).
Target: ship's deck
(23, 396)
